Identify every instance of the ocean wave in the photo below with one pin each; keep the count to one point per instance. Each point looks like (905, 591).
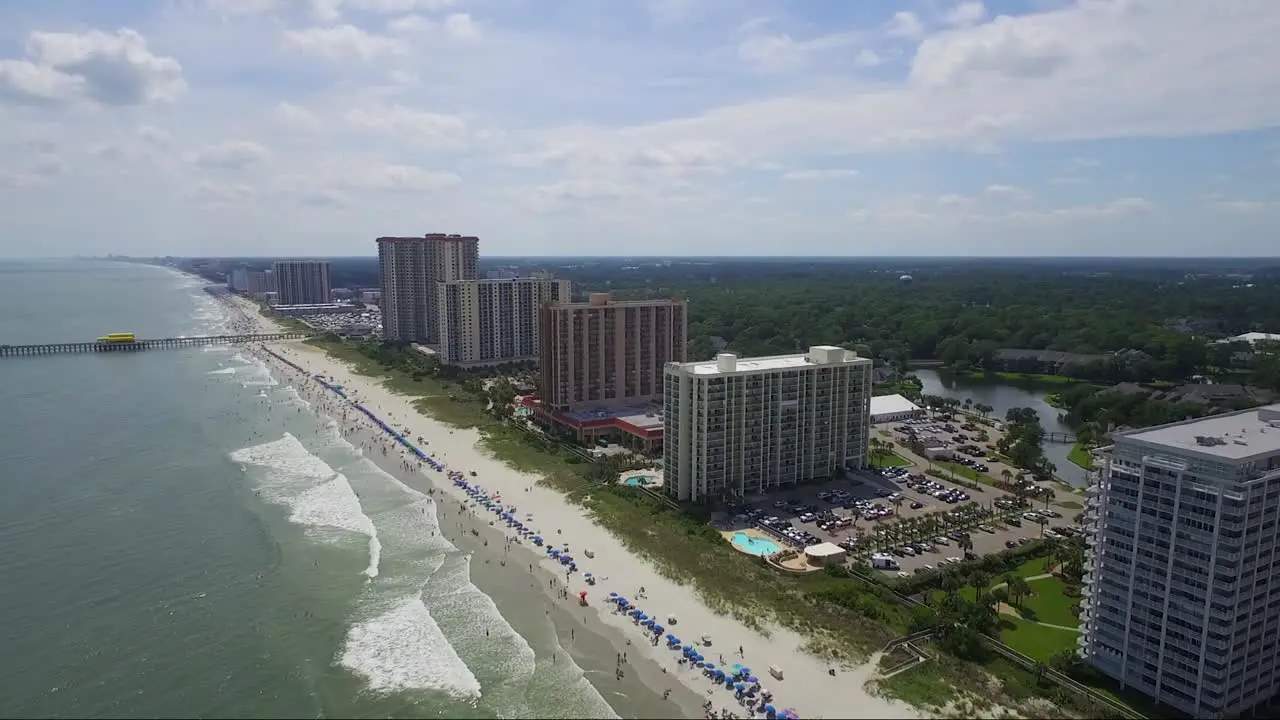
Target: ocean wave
(314, 493)
(223, 371)
(402, 648)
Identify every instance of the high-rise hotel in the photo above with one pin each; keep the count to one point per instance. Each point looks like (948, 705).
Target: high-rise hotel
(739, 426)
(607, 352)
(409, 270)
(1182, 573)
(495, 320)
(301, 282)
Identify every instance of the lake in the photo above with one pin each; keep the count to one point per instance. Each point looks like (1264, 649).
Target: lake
(1003, 395)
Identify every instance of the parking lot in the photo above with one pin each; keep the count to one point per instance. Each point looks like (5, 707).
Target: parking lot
(839, 511)
(858, 514)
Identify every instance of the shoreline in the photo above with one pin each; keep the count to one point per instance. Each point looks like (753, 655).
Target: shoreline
(806, 686)
(583, 638)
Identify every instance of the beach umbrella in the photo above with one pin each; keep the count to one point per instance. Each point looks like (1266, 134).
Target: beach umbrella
(583, 594)
(770, 710)
(712, 667)
(740, 687)
(658, 628)
(753, 680)
(613, 594)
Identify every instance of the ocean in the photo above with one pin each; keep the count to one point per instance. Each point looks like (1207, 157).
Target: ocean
(181, 536)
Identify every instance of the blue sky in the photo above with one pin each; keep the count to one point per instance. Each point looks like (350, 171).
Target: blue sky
(663, 127)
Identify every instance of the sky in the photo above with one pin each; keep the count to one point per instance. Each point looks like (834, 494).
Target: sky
(641, 127)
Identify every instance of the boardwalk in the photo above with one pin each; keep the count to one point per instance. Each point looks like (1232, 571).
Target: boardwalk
(138, 345)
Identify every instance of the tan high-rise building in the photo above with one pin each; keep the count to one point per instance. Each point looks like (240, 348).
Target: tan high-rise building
(495, 320)
(738, 426)
(604, 352)
(409, 269)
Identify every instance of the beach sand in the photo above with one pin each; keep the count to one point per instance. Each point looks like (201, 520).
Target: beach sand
(807, 687)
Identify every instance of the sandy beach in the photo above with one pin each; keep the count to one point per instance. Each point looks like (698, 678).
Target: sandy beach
(808, 687)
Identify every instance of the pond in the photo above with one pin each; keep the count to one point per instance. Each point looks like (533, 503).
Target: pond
(1003, 395)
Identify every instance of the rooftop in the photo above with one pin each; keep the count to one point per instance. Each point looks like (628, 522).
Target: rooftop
(728, 363)
(1230, 436)
(891, 405)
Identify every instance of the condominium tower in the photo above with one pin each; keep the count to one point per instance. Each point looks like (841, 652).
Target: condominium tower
(409, 269)
(1182, 598)
(492, 321)
(736, 426)
(301, 282)
(608, 352)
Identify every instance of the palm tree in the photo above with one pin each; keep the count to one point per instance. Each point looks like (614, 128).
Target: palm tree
(1048, 498)
(1019, 588)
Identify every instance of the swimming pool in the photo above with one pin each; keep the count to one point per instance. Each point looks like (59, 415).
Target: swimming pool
(640, 480)
(753, 545)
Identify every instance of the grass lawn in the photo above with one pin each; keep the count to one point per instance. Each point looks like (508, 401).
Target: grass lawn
(1025, 377)
(1049, 604)
(967, 592)
(1080, 456)
(888, 459)
(965, 471)
(1069, 505)
(1031, 568)
(922, 685)
(1035, 641)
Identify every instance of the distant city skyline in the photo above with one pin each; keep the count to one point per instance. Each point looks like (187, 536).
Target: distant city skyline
(661, 128)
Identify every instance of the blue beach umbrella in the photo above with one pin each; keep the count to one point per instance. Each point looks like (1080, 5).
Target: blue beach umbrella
(710, 666)
(770, 710)
(753, 679)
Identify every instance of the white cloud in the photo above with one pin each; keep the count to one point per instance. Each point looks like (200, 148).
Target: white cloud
(424, 129)
(905, 25)
(295, 117)
(951, 209)
(230, 155)
(829, 174)
(867, 58)
(966, 14)
(342, 42)
(398, 178)
(1004, 48)
(1009, 192)
(1243, 206)
(461, 27)
(599, 124)
(92, 67)
(216, 193)
(398, 7)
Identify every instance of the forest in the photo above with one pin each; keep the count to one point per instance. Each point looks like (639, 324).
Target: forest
(963, 318)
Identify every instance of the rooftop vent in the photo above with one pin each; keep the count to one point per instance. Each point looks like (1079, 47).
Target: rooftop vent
(1210, 440)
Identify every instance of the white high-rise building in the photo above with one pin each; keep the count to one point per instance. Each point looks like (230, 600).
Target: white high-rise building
(735, 426)
(409, 269)
(301, 282)
(1182, 574)
(493, 321)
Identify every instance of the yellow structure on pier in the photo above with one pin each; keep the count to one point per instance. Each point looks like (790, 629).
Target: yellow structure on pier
(118, 338)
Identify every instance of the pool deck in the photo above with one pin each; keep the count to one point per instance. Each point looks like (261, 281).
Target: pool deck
(654, 476)
(751, 532)
(796, 564)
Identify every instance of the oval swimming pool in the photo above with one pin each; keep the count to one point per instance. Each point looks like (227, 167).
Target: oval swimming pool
(640, 480)
(753, 545)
